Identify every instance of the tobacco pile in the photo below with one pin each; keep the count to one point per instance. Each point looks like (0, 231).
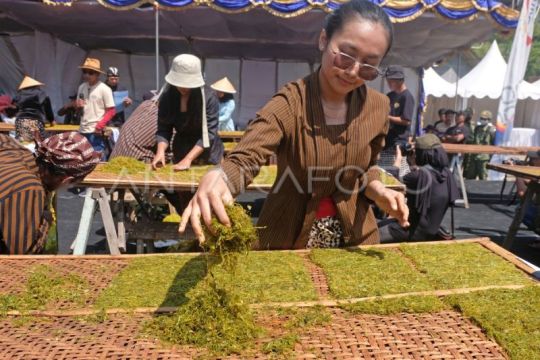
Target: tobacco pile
(45, 287)
(215, 316)
(124, 165)
(227, 243)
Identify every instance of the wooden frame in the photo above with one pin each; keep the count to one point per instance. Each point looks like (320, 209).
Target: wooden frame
(486, 149)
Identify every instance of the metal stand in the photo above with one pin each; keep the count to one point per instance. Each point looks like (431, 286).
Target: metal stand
(455, 165)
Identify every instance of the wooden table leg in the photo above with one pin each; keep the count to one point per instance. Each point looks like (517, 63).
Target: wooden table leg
(81, 240)
(120, 216)
(520, 213)
(108, 221)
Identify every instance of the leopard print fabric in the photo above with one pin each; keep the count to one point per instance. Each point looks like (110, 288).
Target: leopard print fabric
(25, 128)
(325, 233)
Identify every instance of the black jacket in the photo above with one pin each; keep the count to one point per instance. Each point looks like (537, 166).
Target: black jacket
(33, 103)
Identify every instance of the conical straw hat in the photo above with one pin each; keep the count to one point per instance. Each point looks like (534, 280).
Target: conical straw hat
(224, 85)
(29, 82)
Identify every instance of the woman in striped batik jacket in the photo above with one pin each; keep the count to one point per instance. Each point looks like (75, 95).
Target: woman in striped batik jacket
(27, 180)
(326, 131)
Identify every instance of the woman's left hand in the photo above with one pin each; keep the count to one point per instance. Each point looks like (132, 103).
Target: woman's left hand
(184, 164)
(393, 203)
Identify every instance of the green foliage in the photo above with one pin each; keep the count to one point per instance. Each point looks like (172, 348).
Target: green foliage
(511, 317)
(408, 304)
(362, 273)
(452, 266)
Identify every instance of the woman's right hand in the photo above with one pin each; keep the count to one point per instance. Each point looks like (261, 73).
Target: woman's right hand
(212, 196)
(159, 160)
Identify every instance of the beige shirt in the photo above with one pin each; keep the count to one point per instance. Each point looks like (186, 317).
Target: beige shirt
(97, 99)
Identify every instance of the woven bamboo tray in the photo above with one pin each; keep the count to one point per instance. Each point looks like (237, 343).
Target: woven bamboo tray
(64, 333)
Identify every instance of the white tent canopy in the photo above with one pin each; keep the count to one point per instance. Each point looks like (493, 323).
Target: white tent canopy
(436, 86)
(529, 91)
(486, 79)
(481, 89)
(528, 106)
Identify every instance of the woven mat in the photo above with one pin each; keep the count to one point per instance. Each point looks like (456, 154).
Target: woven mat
(445, 335)
(98, 273)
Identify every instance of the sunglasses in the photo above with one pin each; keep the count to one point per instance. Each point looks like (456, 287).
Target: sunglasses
(89, 72)
(365, 71)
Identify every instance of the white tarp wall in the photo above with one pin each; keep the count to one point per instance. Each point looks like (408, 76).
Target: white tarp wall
(50, 61)
(56, 63)
(12, 71)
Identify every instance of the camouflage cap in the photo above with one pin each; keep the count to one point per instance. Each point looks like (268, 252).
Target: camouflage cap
(486, 114)
(427, 142)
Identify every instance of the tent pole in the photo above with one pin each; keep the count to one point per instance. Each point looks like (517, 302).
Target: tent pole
(157, 45)
(457, 80)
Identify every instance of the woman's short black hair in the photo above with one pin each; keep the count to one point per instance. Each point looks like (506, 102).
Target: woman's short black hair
(442, 111)
(53, 170)
(364, 9)
(226, 97)
(437, 157)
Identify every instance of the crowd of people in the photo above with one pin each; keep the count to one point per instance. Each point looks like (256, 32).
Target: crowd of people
(459, 128)
(329, 132)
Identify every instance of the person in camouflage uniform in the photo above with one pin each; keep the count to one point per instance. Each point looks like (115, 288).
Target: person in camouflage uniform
(469, 114)
(484, 134)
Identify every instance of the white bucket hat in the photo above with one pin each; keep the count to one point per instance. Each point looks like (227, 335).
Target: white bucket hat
(185, 72)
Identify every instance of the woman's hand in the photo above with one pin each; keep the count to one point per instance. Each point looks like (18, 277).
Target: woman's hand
(212, 196)
(159, 160)
(390, 201)
(393, 203)
(184, 164)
